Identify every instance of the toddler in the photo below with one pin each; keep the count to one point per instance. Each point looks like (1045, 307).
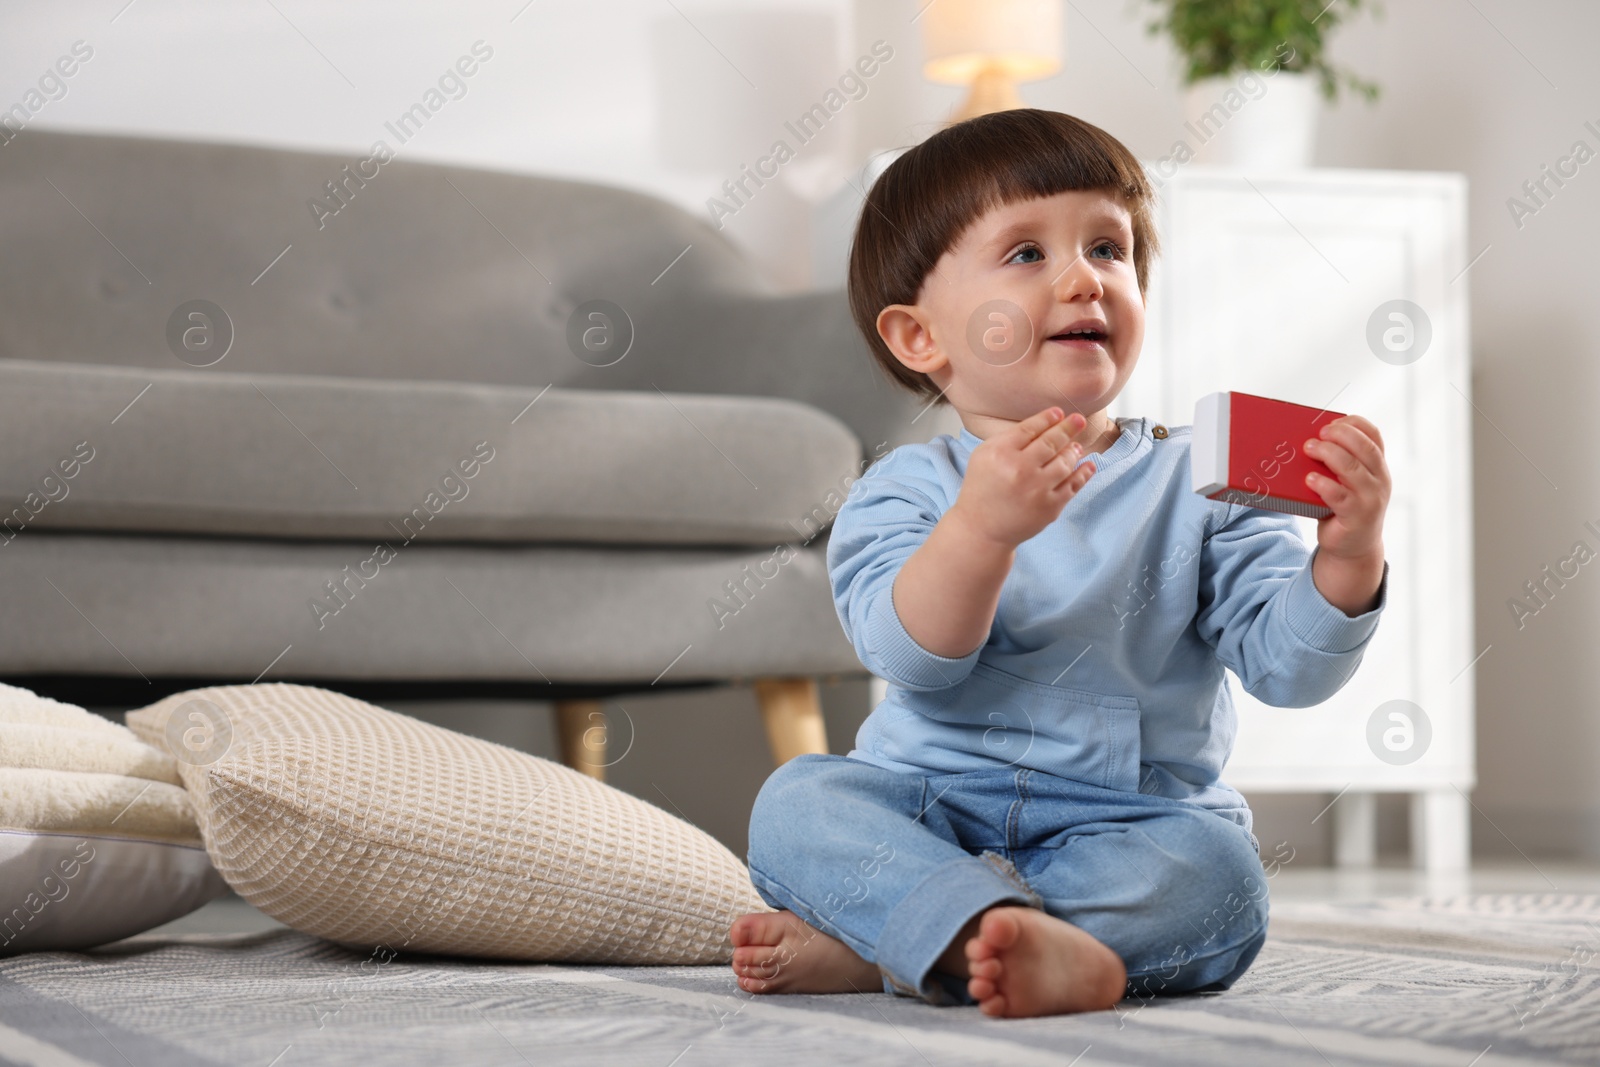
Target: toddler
(1032, 820)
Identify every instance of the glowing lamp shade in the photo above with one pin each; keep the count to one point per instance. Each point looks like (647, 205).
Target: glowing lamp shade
(991, 45)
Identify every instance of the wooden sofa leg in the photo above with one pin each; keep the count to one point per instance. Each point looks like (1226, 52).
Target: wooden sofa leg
(581, 726)
(792, 711)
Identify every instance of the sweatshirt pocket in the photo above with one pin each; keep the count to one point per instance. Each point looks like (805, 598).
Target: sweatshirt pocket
(1088, 737)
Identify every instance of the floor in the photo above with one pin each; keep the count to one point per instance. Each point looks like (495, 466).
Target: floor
(1494, 968)
(1314, 884)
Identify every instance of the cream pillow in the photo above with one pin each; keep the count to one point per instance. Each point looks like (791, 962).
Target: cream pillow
(97, 836)
(371, 829)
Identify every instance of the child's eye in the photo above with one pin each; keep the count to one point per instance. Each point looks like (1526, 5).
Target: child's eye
(1117, 251)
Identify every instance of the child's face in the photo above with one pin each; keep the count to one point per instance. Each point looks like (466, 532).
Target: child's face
(987, 320)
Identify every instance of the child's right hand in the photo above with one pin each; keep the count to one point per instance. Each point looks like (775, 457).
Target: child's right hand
(1018, 481)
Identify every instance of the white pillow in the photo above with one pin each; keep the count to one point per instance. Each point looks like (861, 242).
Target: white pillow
(371, 829)
(98, 839)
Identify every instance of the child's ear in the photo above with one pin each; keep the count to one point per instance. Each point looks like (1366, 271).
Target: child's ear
(904, 328)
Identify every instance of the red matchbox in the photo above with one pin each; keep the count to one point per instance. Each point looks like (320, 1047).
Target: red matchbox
(1248, 449)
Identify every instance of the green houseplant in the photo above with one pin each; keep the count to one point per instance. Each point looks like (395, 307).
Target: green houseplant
(1253, 72)
(1224, 37)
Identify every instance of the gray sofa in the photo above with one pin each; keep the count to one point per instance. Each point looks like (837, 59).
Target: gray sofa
(287, 416)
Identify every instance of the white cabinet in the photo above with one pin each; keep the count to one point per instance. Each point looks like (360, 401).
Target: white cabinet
(1269, 283)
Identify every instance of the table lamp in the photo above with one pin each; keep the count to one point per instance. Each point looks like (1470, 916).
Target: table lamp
(990, 45)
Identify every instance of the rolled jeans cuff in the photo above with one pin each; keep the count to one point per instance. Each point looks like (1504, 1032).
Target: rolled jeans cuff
(930, 916)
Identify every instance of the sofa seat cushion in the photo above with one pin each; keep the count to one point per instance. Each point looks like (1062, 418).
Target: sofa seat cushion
(114, 449)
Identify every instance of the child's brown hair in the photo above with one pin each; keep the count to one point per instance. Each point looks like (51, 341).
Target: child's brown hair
(925, 200)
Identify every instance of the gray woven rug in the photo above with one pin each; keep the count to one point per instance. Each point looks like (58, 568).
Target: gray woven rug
(1470, 981)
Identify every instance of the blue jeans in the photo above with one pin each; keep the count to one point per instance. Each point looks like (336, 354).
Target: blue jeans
(894, 865)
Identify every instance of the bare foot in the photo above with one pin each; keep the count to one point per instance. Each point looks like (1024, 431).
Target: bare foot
(776, 952)
(1024, 961)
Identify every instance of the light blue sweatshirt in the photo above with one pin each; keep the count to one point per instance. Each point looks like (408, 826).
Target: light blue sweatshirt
(1105, 659)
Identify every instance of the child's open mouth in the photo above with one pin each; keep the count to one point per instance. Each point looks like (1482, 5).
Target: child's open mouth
(1088, 338)
(1089, 332)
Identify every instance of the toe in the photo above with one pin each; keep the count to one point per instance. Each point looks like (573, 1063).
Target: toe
(989, 969)
(759, 929)
(1000, 928)
(977, 949)
(756, 961)
(980, 989)
(743, 929)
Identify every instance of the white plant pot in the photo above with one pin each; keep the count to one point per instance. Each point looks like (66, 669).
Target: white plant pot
(1253, 120)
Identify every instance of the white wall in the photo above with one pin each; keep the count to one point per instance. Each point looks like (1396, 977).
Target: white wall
(629, 92)
(1493, 89)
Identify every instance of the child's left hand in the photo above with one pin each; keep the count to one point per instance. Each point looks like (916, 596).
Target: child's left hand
(1350, 563)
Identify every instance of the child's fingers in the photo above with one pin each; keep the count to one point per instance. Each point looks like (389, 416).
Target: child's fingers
(1348, 495)
(1364, 425)
(1336, 496)
(1357, 507)
(1055, 445)
(1036, 424)
(1359, 441)
(1060, 466)
(1050, 442)
(1352, 448)
(1359, 437)
(1351, 454)
(1076, 478)
(1340, 461)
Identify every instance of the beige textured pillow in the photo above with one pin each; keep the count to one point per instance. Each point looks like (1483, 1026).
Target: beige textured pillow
(372, 829)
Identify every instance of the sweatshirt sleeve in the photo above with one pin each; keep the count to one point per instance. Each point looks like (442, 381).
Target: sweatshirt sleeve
(882, 522)
(1266, 619)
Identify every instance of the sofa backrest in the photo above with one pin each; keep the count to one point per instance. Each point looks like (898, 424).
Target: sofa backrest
(375, 265)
